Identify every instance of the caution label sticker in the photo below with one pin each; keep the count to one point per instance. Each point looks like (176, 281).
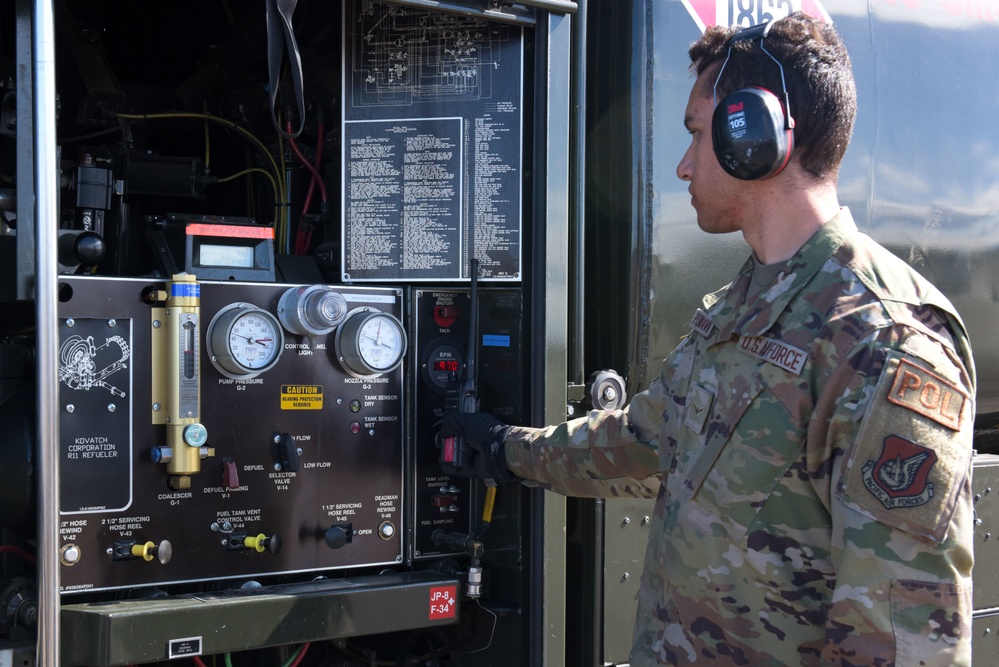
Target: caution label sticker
(301, 397)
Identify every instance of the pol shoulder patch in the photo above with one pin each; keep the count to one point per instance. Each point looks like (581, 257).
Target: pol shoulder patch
(928, 394)
(912, 450)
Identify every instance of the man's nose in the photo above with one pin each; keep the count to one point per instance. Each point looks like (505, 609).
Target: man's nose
(685, 169)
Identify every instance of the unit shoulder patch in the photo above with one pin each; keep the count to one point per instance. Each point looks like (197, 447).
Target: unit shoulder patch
(900, 477)
(912, 451)
(928, 394)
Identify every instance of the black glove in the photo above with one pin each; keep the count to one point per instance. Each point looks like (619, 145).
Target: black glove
(484, 434)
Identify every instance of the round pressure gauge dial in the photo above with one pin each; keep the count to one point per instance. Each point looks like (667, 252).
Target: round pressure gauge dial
(244, 341)
(370, 343)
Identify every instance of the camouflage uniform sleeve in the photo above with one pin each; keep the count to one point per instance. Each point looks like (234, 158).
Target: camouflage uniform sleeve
(896, 420)
(604, 454)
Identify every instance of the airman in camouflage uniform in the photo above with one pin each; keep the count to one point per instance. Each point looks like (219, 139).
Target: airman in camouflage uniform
(812, 437)
(814, 449)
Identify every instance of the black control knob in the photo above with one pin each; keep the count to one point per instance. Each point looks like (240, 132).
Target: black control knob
(89, 248)
(337, 536)
(273, 544)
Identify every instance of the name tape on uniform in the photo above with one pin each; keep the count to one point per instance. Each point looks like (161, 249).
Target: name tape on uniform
(702, 323)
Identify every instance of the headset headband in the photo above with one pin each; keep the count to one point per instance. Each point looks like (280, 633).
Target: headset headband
(760, 31)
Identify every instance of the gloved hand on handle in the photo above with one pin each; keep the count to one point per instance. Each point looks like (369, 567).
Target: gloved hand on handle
(484, 434)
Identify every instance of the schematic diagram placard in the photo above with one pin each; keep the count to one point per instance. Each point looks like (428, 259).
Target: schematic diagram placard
(432, 136)
(95, 378)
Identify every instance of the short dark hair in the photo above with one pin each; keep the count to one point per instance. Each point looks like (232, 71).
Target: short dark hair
(819, 80)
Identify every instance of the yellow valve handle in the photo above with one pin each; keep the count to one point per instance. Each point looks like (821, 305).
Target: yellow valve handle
(144, 551)
(255, 542)
(487, 507)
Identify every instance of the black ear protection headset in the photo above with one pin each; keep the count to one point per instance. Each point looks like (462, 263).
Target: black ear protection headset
(752, 132)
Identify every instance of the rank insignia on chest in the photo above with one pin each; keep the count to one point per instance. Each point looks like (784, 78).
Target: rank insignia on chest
(699, 401)
(900, 477)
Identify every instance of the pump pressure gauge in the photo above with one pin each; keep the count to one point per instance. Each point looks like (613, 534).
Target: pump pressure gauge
(370, 343)
(243, 341)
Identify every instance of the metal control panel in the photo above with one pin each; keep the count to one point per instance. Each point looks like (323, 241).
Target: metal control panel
(441, 320)
(218, 430)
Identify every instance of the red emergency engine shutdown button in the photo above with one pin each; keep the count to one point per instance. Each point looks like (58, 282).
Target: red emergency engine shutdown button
(445, 316)
(443, 602)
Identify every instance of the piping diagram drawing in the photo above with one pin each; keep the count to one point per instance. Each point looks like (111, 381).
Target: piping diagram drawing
(79, 359)
(404, 57)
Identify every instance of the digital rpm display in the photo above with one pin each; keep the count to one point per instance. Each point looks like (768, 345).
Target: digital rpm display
(446, 366)
(443, 363)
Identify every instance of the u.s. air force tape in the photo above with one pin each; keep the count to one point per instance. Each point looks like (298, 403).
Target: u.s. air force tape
(776, 352)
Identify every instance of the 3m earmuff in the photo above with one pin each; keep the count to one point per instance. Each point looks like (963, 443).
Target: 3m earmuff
(751, 130)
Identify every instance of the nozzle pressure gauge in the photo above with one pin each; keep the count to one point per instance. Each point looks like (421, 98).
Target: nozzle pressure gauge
(370, 343)
(244, 341)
